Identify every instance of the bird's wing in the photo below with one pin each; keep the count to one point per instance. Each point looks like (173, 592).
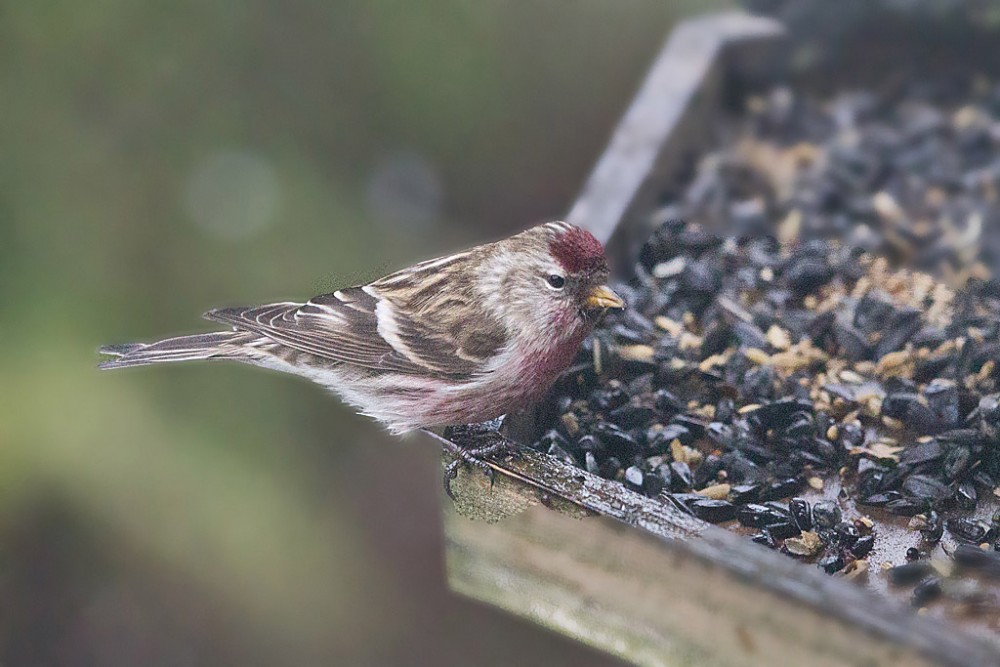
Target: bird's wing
(365, 327)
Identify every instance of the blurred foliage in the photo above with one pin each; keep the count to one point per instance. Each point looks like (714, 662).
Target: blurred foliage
(164, 158)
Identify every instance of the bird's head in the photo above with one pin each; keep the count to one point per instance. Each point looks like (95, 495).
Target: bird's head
(553, 276)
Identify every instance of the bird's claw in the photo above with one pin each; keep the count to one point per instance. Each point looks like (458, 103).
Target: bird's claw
(450, 473)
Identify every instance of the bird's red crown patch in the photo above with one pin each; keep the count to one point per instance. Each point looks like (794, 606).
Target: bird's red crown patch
(577, 250)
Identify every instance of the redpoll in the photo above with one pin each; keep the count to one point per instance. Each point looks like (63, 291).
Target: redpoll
(456, 340)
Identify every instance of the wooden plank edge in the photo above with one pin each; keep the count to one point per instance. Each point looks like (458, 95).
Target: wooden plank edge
(535, 477)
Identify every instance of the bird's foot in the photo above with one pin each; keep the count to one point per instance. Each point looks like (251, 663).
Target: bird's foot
(472, 445)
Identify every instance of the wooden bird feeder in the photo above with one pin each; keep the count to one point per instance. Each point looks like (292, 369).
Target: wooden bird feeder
(634, 576)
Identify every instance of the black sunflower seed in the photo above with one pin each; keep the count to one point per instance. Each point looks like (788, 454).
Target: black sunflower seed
(909, 573)
(966, 496)
(680, 477)
(926, 487)
(758, 516)
(782, 530)
(634, 478)
(928, 590)
(933, 528)
(973, 558)
(966, 529)
(831, 563)
(825, 514)
(801, 513)
(713, 511)
(907, 506)
(863, 546)
(744, 493)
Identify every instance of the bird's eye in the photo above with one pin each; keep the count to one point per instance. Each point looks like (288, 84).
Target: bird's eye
(556, 281)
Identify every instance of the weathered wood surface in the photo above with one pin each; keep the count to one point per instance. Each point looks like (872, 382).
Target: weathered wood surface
(677, 591)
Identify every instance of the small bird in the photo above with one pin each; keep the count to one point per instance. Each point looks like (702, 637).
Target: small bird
(456, 340)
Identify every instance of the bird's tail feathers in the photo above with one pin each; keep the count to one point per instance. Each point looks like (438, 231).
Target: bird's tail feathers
(216, 345)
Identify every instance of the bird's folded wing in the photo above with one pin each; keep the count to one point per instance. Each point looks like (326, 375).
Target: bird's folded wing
(357, 326)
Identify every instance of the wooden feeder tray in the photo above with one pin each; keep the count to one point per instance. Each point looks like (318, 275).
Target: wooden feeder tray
(633, 575)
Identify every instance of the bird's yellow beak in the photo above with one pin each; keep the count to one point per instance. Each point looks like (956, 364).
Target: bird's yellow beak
(603, 297)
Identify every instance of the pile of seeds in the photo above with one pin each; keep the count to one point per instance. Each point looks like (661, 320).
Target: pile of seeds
(813, 339)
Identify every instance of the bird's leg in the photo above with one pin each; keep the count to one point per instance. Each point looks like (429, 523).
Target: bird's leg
(471, 444)
(485, 440)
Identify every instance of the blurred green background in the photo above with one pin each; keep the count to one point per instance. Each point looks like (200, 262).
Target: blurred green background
(163, 158)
